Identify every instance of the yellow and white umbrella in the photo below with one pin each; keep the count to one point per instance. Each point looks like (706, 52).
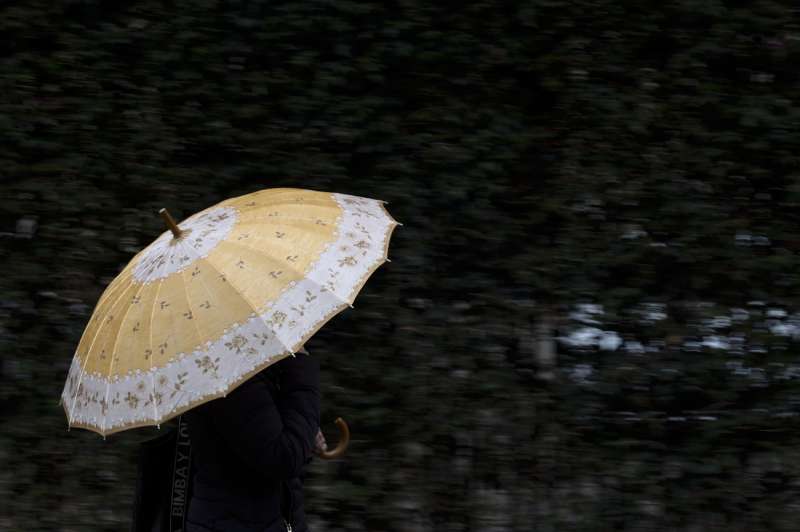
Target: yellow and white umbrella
(222, 295)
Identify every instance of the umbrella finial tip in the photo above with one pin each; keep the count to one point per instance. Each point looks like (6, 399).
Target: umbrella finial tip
(170, 222)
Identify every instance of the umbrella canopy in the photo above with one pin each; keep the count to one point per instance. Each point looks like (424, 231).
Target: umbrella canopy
(225, 293)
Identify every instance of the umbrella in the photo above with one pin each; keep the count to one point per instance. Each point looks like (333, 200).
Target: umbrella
(216, 299)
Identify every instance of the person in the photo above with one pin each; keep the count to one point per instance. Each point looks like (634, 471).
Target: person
(250, 448)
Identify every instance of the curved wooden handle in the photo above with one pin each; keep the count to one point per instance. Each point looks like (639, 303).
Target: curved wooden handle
(341, 447)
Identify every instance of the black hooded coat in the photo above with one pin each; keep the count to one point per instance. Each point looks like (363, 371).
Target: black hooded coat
(249, 450)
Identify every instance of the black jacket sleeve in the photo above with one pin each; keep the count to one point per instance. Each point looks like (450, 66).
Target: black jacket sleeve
(273, 438)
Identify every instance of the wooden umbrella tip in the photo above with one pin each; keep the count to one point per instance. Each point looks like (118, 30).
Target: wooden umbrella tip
(170, 222)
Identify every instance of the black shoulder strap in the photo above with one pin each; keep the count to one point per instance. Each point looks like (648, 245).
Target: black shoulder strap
(181, 485)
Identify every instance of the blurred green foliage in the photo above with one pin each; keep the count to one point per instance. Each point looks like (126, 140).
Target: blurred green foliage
(543, 154)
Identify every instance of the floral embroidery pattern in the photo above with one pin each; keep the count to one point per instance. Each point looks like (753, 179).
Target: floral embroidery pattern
(132, 400)
(180, 381)
(348, 261)
(331, 282)
(239, 344)
(208, 365)
(263, 338)
(278, 318)
(155, 397)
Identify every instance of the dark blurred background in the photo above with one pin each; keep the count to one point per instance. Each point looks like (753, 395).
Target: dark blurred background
(591, 318)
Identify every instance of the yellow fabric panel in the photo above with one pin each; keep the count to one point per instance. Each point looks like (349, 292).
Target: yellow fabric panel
(134, 346)
(105, 351)
(215, 303)
(107, 300)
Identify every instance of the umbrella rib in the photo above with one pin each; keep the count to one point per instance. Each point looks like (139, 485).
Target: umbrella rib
(189, 302)
(114, 350)
(88, 353)
(152, 351)
(152, 311)
(150, 344)
(150, 337)
(157, 419)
